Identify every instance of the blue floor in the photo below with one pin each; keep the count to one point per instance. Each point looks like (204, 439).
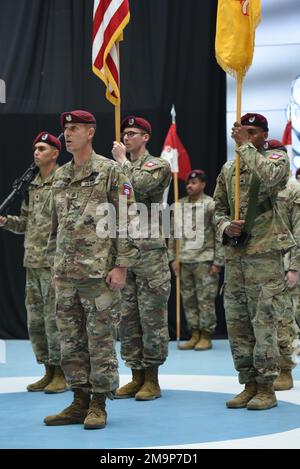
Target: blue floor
(180, 417)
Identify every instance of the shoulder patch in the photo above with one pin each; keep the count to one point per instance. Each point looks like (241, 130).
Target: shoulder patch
(126, 189)
(150, 164)
(275, 156)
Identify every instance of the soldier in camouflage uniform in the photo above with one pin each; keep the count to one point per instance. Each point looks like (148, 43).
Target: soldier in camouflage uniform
(255, 291)
(144, 316)
(89, 270)
(35, 222)
(288, 203)
(199, 265)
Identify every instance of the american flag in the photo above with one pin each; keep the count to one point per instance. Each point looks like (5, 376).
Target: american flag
(110, 19)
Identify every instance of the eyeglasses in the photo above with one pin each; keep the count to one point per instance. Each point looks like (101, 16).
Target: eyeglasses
(131, 134)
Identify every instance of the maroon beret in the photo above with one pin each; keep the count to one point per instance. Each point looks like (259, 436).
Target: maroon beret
(79, 116)
(45, 137)
(257, 120)
(139, 122)
(273, 143)
(194, 174)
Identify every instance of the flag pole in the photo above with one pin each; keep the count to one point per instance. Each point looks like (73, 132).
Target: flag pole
(118, 106)
(237, 156)
(176, 198)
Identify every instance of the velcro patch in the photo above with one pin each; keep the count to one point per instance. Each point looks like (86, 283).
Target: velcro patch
(126, 190)
(151, 164)
(275, 156)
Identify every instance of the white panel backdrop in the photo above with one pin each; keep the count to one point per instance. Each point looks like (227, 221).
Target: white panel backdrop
(267, 88)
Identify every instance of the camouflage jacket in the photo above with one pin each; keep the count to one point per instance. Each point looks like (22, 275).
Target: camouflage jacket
(149, 177)
(35, 222)
(288, 203)
(210, 248)
(269, 231)
(84, 199)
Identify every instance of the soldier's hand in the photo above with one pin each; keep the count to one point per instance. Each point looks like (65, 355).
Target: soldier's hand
(215, 269)
(3, 220)
(235, 228)
(292, 278)
(239, 134)
(119, 152)
(116, 278)
(175, 267)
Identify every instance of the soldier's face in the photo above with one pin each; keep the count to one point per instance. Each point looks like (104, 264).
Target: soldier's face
(44, 154)
(195, 187)
(256, 135)
(77, 136)
(134, 138)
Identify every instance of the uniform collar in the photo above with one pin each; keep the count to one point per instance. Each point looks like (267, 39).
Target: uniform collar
(85, 170)
(139, 162)
(39, 181)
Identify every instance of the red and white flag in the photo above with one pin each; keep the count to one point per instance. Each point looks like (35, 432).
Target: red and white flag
(175, 153)
(110, 19)
(287, 139)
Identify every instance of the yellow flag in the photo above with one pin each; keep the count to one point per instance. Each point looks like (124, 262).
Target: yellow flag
(235, 33)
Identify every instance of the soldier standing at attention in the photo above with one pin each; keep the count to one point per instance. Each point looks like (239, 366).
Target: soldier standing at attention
(89, 270)
(199, 266)
(255, 291)
(35, 222)
(288, 204)
(144, 315)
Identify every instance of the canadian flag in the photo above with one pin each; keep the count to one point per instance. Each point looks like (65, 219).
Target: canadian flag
(175, 153)
(287, 139)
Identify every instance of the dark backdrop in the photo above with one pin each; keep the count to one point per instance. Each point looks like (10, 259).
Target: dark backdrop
(167, 58)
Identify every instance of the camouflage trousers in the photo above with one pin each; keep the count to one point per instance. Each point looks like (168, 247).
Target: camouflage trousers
(143, 326)
(41, 319)
(198, 290)
(288, 333)
(255, 298)
(87, 322)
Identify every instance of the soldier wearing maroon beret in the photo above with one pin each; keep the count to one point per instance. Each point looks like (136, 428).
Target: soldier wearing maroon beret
(34, 222)
(144, 316)
(255, 294)
(89, 269)
(199, 263)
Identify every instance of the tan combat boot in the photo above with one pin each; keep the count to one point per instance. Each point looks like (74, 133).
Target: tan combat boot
(58, 383)
(284, 381)
(96, 417)
(241, 400)
(204, 342)
(190, 344)
(42, 383)
(75, 413)
(265, 398)
(150, 389)
(130, 389)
